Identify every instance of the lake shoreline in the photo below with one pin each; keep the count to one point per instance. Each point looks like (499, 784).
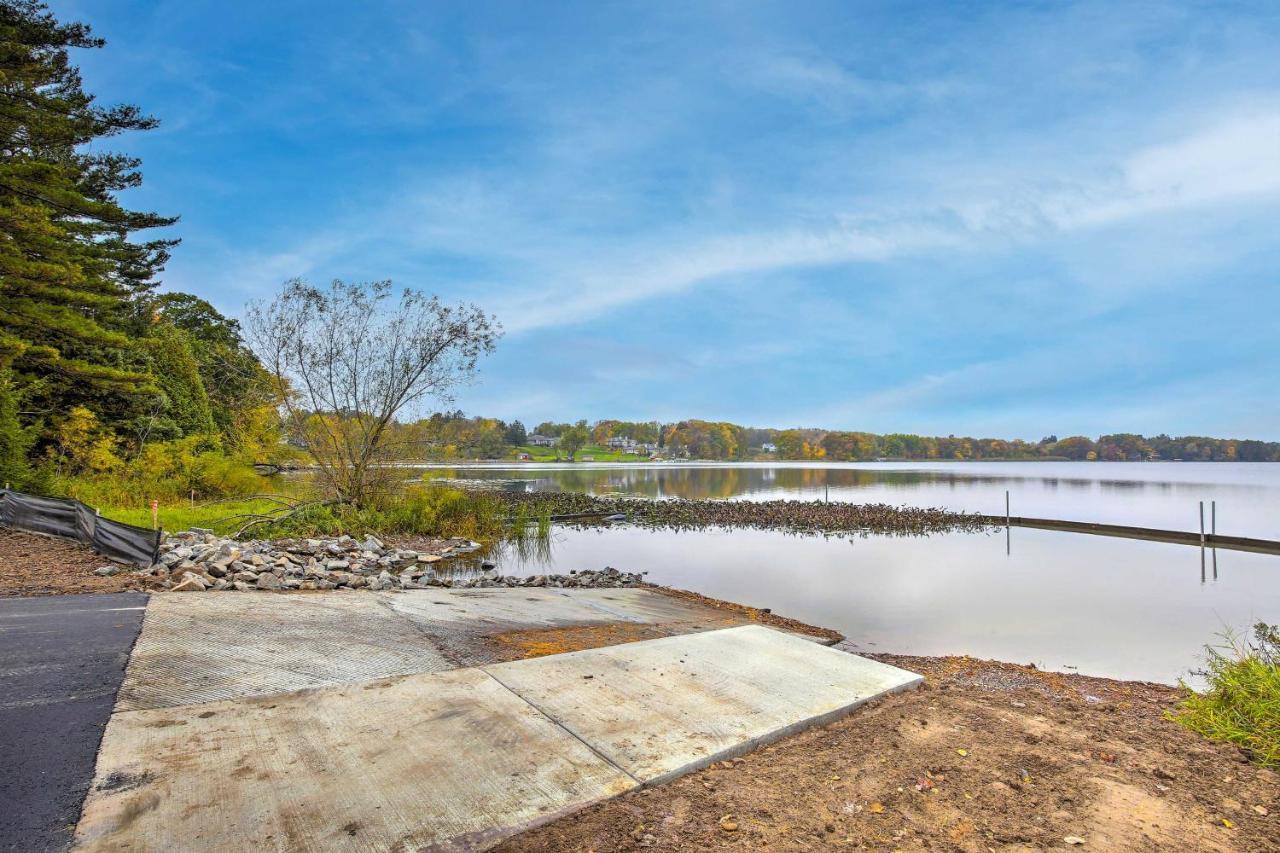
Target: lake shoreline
(986, 752)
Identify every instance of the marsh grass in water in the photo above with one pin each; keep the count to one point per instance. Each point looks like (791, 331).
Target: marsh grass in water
(1242, 703)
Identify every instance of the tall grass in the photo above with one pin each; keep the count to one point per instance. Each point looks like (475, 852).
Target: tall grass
(1242, 703)
(431, 510)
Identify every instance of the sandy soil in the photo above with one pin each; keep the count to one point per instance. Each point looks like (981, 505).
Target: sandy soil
(985, 756)
(42, 565)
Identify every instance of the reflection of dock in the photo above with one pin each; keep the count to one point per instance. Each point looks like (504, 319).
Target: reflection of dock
(1180, 537)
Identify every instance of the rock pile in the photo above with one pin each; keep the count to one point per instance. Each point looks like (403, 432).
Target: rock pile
(197, 560)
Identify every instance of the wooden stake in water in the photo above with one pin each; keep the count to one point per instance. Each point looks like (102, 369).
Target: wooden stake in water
(1213, 517)
(1202, 527)
(1006, 508)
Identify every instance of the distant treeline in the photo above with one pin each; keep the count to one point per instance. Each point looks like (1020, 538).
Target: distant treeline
(454, 435)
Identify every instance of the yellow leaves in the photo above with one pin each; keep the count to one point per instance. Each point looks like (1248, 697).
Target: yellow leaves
(84, 445)
(962, 752)
(876, 808)
(1228, 824)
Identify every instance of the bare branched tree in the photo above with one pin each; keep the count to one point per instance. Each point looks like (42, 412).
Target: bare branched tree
(346, 362)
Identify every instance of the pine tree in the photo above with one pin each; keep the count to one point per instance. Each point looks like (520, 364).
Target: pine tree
(68, 265)
(15, 439)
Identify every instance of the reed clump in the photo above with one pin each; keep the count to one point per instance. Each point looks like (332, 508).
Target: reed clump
(1242, 703)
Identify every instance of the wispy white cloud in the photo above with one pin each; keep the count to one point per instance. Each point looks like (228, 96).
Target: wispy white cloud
(906, 212)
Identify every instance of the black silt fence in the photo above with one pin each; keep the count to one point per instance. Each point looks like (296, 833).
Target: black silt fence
(71, 519)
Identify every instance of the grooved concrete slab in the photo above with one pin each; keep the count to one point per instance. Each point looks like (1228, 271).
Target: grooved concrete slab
(442, 761)
(461, 759)
(539, 607)
(661, 708)
(202, 647)
(205, 647)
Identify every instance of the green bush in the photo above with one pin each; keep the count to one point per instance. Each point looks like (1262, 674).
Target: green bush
(1242, 703)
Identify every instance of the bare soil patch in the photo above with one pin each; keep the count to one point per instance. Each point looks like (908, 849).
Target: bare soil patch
(41, 565)
(536, 642)
(985, 756)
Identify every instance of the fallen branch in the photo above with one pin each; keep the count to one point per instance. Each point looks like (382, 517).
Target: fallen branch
(281, 499)
(274, 517)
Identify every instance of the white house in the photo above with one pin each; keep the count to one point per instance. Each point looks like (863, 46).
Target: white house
(543, 440)
(769, 447)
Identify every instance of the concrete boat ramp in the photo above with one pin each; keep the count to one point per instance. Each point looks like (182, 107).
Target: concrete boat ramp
(356, 722)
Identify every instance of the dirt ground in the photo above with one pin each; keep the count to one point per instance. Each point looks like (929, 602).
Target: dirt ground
(985, 756)
(42, 565)
(536, 642)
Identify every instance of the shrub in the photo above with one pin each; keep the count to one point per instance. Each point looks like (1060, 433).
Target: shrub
(1242, 703)
(416, 510)
(167, 471)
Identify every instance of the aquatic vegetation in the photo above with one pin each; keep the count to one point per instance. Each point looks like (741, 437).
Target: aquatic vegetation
(786, 515)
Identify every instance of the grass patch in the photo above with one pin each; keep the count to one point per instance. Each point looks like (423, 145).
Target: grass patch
(1242, 704)
(179, 516)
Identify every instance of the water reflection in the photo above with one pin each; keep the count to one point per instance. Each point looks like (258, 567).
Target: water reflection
(1161, 495)
(1100, 605)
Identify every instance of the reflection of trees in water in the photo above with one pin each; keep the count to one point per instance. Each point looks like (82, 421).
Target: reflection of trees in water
(696, 483)
(729, 481)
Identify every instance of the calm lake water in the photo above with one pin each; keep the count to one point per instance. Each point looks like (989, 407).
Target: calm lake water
(1071, 602)
(1150, 494)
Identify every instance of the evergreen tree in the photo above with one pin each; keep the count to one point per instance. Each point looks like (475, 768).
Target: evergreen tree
(15, 439)
(68, 265)
(234, 380)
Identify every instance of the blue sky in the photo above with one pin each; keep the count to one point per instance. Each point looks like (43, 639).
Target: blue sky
(967, 218)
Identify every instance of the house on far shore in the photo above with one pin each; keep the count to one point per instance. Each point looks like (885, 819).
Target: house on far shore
(769, 447)
(619, 442)
(543, 440)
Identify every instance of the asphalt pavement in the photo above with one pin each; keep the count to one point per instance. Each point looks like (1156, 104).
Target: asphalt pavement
(62, 659)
